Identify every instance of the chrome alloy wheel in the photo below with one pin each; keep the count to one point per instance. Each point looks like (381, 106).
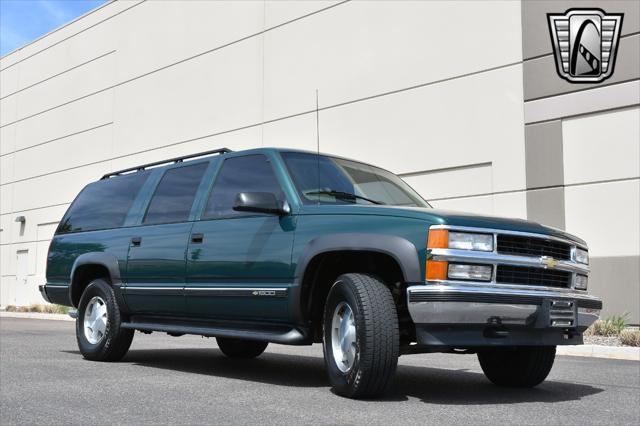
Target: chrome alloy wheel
(95, 320)
(343, 337)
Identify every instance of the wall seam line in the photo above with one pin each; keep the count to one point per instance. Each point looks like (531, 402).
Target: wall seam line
(57, 139)
(173, 64)
(249, 126)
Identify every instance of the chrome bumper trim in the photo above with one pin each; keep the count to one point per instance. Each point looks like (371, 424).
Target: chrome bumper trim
(484, 304)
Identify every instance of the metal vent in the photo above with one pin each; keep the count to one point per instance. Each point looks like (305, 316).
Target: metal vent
(507, 274)
(530, 246)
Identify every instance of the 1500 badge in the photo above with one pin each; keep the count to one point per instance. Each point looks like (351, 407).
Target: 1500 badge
(264, 293)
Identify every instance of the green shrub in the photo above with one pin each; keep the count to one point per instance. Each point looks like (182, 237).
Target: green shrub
(609, 326)
(45, 309)
(630, 337)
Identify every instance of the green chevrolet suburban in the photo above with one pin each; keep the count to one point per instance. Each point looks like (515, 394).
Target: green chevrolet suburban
(296, 248)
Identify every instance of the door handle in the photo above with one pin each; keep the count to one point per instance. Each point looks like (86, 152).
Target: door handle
(135, 241)
(197, 238)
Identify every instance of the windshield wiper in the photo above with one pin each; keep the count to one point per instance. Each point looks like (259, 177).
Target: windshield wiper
(343, 195)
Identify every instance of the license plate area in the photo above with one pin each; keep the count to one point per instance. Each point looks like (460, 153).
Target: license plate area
(562, 313)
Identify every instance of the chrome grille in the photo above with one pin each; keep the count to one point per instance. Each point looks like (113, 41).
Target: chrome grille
(530, 246)
(508, 274)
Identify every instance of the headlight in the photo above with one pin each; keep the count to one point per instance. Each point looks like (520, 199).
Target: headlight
(582, 256)
(581, 282)
(468, 241)
(470, 272)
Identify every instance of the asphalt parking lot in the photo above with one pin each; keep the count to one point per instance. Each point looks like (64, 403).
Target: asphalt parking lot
(187, 380)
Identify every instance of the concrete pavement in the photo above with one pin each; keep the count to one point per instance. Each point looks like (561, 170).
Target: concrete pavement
(186, 380)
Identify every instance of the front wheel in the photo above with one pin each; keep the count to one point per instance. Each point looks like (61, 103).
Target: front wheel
(98, 331)
(360, 336)
(522, 367)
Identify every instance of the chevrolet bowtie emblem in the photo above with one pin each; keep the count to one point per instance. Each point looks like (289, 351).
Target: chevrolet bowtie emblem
(548, 262)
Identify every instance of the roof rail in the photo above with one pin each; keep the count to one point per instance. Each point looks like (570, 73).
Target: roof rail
(171, 160)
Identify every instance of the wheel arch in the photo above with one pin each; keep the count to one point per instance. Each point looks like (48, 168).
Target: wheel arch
(393, 258)
(90, 266)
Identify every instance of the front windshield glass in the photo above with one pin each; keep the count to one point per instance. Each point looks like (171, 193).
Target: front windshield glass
(330, 180)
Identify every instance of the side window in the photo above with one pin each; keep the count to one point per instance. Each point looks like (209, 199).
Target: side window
(251, 173)
(103, 204)
(174, 195)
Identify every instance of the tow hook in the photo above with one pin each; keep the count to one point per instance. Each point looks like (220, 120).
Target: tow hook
(495, 329)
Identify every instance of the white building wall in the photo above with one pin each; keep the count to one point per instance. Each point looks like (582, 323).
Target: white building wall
(132, 82)
(399, 85)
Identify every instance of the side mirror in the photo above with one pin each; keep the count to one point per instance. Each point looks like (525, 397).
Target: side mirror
(260, 202)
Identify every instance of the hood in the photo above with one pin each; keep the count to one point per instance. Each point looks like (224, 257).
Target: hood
(446, 217)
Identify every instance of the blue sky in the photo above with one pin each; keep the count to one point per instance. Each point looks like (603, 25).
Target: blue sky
(22, 21)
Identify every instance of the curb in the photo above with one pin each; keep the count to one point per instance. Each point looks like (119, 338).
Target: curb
(629, 353)
(36, 315)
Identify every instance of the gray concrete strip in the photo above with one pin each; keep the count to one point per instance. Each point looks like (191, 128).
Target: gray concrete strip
(597, 351)
(36, 315)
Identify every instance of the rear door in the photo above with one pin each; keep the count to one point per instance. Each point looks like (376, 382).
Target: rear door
(239, 263)
(155, 274)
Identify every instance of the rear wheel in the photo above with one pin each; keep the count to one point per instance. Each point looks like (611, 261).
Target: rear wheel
(523, 366)
(98, 331)
(238, 348)
(361, 340)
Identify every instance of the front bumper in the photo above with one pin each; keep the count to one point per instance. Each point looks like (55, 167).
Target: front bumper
(473, 314)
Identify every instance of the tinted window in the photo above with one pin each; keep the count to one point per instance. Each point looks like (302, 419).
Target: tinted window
(103, 204)
(251, 173)
(316, 176)
(174, 195)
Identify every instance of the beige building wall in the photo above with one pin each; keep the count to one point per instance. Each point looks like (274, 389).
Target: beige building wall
(443, 103)
(583, 152)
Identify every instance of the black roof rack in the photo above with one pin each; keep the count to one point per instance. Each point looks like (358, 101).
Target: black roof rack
(171, 160)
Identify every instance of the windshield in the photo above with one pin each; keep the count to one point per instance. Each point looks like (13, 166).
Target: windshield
(347, 182)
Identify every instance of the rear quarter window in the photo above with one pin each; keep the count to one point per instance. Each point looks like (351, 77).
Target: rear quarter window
(103, 204)
(175, 194)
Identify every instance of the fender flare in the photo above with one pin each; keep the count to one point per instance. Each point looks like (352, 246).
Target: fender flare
(109, 261)
(401, 250)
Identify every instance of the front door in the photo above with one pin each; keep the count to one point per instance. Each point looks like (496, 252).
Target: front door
(239, 263)
(155, 273)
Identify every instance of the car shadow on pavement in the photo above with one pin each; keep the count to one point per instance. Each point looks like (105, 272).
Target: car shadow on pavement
(431, 385)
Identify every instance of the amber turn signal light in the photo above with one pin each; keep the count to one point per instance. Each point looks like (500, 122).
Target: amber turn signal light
(438, 238)
(437, 270)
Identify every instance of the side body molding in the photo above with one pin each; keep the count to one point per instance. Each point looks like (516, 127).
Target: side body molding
(403, 251)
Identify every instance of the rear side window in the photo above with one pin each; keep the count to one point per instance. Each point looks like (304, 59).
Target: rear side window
(103, 204)
(174, 195)
(250, 173)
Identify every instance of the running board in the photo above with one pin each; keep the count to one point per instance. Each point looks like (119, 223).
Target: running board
(272, 333)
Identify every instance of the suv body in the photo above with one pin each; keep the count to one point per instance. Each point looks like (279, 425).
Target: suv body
(284, 246)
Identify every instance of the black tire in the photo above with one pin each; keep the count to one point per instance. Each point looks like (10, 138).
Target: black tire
(238, 348)
(377, 342)
(520, 367)
(115, 341)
